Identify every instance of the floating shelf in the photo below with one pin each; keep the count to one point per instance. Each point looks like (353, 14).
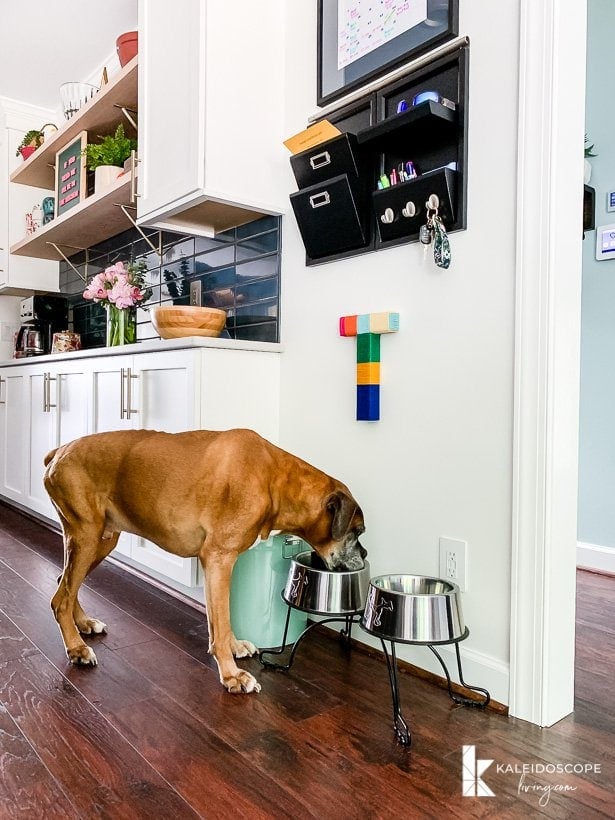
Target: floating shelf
(99, 116)
(95, 219)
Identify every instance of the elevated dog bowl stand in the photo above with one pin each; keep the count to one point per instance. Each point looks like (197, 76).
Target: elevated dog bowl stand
(345, 634)
(400, 726)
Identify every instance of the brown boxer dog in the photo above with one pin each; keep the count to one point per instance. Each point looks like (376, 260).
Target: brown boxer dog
(200, 493)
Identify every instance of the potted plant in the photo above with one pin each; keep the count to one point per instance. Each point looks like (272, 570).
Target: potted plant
(588, 152)
(31, 141)
(107, 157)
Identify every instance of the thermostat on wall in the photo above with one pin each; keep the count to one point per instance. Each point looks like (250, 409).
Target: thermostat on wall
(605, 242)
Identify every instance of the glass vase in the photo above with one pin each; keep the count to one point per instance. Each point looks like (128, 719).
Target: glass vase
(121, 326)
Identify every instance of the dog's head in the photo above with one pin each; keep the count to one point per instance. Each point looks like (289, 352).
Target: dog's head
(336, 538)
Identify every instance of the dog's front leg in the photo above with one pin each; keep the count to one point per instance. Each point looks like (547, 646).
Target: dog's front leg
(218, 568)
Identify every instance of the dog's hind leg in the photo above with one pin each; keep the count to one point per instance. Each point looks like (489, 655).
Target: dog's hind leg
(80, 556)
(85, 624)
(218, 568)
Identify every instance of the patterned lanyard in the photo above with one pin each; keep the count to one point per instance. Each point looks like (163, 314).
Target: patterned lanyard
(434, 231)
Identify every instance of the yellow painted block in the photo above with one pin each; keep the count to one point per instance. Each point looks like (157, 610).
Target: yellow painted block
(386, 322)
(368, 373)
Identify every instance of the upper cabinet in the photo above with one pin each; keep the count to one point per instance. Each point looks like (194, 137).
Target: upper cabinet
(210, 114)
(207, 88)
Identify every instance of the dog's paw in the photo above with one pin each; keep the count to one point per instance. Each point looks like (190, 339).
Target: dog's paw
(243, 649)
(242, 682)
(92, 626)
(82, 656)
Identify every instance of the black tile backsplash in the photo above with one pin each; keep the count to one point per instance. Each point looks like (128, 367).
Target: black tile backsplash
(239, 272)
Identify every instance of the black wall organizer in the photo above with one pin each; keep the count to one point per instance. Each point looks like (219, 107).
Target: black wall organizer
(339, 209)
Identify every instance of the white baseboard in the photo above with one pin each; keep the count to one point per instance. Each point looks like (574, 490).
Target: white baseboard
(596, 557)
(479, 669)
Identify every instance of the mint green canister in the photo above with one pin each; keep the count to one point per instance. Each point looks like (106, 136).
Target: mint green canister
(258, 613)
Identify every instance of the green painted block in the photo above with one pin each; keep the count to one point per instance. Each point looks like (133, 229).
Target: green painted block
(368, 347)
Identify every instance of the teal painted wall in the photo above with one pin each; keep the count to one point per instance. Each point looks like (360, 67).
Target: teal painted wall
(597, 411)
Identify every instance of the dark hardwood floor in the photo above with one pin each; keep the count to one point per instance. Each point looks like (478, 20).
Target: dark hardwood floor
(150, 732)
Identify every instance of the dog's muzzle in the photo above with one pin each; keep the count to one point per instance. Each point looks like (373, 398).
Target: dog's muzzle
(350, 559)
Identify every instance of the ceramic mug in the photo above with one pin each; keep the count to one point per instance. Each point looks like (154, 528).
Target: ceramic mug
(48, 205)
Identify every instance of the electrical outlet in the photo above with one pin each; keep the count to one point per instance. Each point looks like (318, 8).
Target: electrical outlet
(195, 292)
(454, 561)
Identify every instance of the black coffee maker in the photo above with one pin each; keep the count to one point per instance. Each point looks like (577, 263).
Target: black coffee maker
(41, 317)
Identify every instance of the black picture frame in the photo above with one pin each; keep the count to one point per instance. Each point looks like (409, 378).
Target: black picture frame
(440, 24)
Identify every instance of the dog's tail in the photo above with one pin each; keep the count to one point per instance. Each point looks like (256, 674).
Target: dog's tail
(49, 456)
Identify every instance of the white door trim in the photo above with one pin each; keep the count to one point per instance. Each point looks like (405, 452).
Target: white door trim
(548, 277)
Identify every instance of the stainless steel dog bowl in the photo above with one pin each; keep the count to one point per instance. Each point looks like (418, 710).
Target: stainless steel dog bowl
(414, 609)
(323, 592)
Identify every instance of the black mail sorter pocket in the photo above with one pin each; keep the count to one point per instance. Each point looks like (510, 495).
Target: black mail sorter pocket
(327, 160)
(401, 209)
(330, 217)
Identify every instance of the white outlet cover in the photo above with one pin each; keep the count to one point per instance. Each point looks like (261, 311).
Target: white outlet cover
(460, 548)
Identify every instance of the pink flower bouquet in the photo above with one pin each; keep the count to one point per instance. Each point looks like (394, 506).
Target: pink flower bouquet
(122, 287)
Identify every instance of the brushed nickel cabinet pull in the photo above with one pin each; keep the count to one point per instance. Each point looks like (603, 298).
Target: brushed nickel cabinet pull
(122, 393)
(47, 405)
(129, 408)
(2, 381)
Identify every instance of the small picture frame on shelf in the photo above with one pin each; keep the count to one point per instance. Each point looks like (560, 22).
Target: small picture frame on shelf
(359, 40)
(71, 182)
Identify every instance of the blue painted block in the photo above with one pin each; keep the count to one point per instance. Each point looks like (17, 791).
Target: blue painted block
(363, 323)
(368, 402)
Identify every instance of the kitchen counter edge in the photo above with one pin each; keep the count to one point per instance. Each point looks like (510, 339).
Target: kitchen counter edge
(151, 346)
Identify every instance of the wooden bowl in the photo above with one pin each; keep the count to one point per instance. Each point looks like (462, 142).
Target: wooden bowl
(178, 321)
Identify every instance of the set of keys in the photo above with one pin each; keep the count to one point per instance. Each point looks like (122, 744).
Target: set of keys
(433, 231)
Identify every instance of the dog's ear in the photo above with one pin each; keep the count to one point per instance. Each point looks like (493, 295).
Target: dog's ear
(342, 506)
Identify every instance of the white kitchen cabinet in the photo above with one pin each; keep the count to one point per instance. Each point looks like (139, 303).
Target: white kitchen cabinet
(13, 420)
(210, 114)
(47, 403)
(164, 395)
(20, 275)
(57, 414)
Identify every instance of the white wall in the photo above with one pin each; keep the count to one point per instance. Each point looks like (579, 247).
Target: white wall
(9, 323)
(597, 425)
(439, 460)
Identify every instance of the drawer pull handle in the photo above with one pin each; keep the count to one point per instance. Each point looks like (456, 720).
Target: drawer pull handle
(320, 160)
(318, 200)
(388, 216)
(2, 381)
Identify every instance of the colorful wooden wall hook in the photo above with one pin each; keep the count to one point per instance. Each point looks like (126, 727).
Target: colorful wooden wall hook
(368, 327)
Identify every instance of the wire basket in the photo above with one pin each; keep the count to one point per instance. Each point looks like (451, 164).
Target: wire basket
(74, 95)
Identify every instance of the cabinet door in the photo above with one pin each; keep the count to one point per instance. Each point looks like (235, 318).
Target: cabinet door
(108, 410)
(171, 90)
(41, 437)
(166, 399)
(13, 420)
(109, 394)
(71, 400)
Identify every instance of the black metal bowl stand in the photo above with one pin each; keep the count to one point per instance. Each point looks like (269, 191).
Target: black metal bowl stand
(348, 619)
(400, 726)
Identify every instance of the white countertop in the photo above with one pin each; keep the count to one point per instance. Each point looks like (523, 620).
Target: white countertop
(152, 346)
